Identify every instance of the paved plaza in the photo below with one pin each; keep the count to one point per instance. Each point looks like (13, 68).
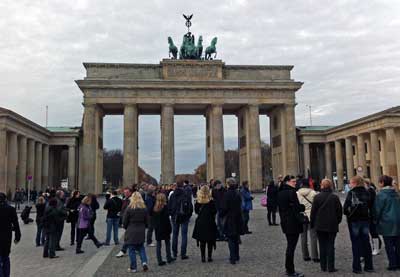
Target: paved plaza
(262, 254)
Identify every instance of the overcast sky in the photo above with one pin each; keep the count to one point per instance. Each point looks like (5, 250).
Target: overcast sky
(347, 53)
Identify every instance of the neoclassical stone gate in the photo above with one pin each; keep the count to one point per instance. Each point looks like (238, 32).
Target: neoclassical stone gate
(184, 87)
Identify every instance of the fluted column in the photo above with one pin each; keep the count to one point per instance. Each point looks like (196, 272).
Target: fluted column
(167, 144)
(255, 180)
(31, 160)
(328, 161)
(45, 166)
(12, 162)
(339, 164)
(3, 160)
(22, 161)
(71, 167)
(130, 145)
(291, 141)
(349, 158)
(375, 157)
(361, 155)
(89, 150)
(306, 157)
(390, 148)
(38, 166)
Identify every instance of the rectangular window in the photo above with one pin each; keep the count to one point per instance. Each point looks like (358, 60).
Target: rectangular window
(354, 150)
(369, 172)
(379, 143)
(366, 148)
(275, 122)
(381, 170)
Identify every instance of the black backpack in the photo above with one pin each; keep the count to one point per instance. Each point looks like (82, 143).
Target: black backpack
(185, 209)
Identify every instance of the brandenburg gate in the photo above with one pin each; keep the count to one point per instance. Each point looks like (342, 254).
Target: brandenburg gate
(190, 87)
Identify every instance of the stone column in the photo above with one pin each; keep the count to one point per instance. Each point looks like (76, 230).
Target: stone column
(12, 162)
(291, 141)
(167, 144)
(361, 155)
(22, 162)
(306, 157)
(328, 161)
(45, 166)
(89, 150)
(349, 158)
(31, 160)
(339, 164)
(397, 146)
(3, 160)
(283, 141)
(130, 144)
(254, 140)
(38, 166)
(71, 167)
(391, 153)
(375, 157)
(215, 143)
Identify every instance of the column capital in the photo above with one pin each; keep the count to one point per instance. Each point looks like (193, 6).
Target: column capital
(167, 105)
(133, 105)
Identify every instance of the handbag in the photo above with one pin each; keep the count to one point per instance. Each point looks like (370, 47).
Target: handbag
(264, 201)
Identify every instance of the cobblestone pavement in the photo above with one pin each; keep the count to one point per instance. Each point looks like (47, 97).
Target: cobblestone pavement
(261, 253)
(26, 258)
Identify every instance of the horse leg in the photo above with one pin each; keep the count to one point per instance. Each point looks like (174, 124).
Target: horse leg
(215, 54)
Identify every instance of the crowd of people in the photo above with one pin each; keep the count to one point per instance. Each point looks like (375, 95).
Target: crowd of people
(163, 213)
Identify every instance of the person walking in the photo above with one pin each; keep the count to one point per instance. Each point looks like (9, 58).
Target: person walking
(150, 201)
(50, 222)
(325, 217)
(9, 224)
(40, 208)
(180, 208)
(125, 203)
(134, 222)
(113, 206)
(205, 229)
(387, 219)
(358, 209)
(306, 197)
(62, 215)
(247, 205)
(94, 205)
(233, 220)
(290, 212)
(83, 223)
(73, 204)
(218, 196)
(162, 228)
(376, 242)
(18, 198)
(272, 203)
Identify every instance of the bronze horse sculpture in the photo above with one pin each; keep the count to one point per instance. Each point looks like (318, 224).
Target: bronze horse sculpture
(211, 50)
(172, 49)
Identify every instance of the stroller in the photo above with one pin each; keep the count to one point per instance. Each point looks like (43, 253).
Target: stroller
(25, 215)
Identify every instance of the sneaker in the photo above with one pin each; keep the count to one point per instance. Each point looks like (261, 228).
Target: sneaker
(151, 245)
(130, 270)
(120, 254)
(376, 251)
(145, 267)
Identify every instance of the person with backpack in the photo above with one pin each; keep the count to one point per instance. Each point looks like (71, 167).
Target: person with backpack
(180, 208)
(233, 220)
(205, 229)
(272, 203)
(306, 197)
(150, 200)
(325, 217)
(113, 206)
(358, 210)
(50, 221)
(218, 193)
(387, 219)
(73, 204)
(162, 228)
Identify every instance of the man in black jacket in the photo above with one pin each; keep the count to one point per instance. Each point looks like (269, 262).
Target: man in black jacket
(218, 195)
(9, 223)
(358, 209)
(113, 206)
(290, 213)
(180, 208)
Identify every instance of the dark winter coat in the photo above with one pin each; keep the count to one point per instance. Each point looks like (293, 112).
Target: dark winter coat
(362, 212)
(162, 224)
(179, 195)
(150, 200)
(72, 207)
(272, 195)
(51, 219)
(40, 212)
(113, 207)
(95, 206)
(135, 221)
(205, 228)
(232, 214)
(8, 224)
(387, 212)
(326, 212)
(218, 196)
(289, 210)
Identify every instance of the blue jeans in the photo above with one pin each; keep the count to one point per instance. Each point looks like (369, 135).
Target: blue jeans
(132, 254)
(175, 233)
(112, 225)
(392, 246)
(220, 227)
(359, 235)
(4, 266)
(40, 236)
